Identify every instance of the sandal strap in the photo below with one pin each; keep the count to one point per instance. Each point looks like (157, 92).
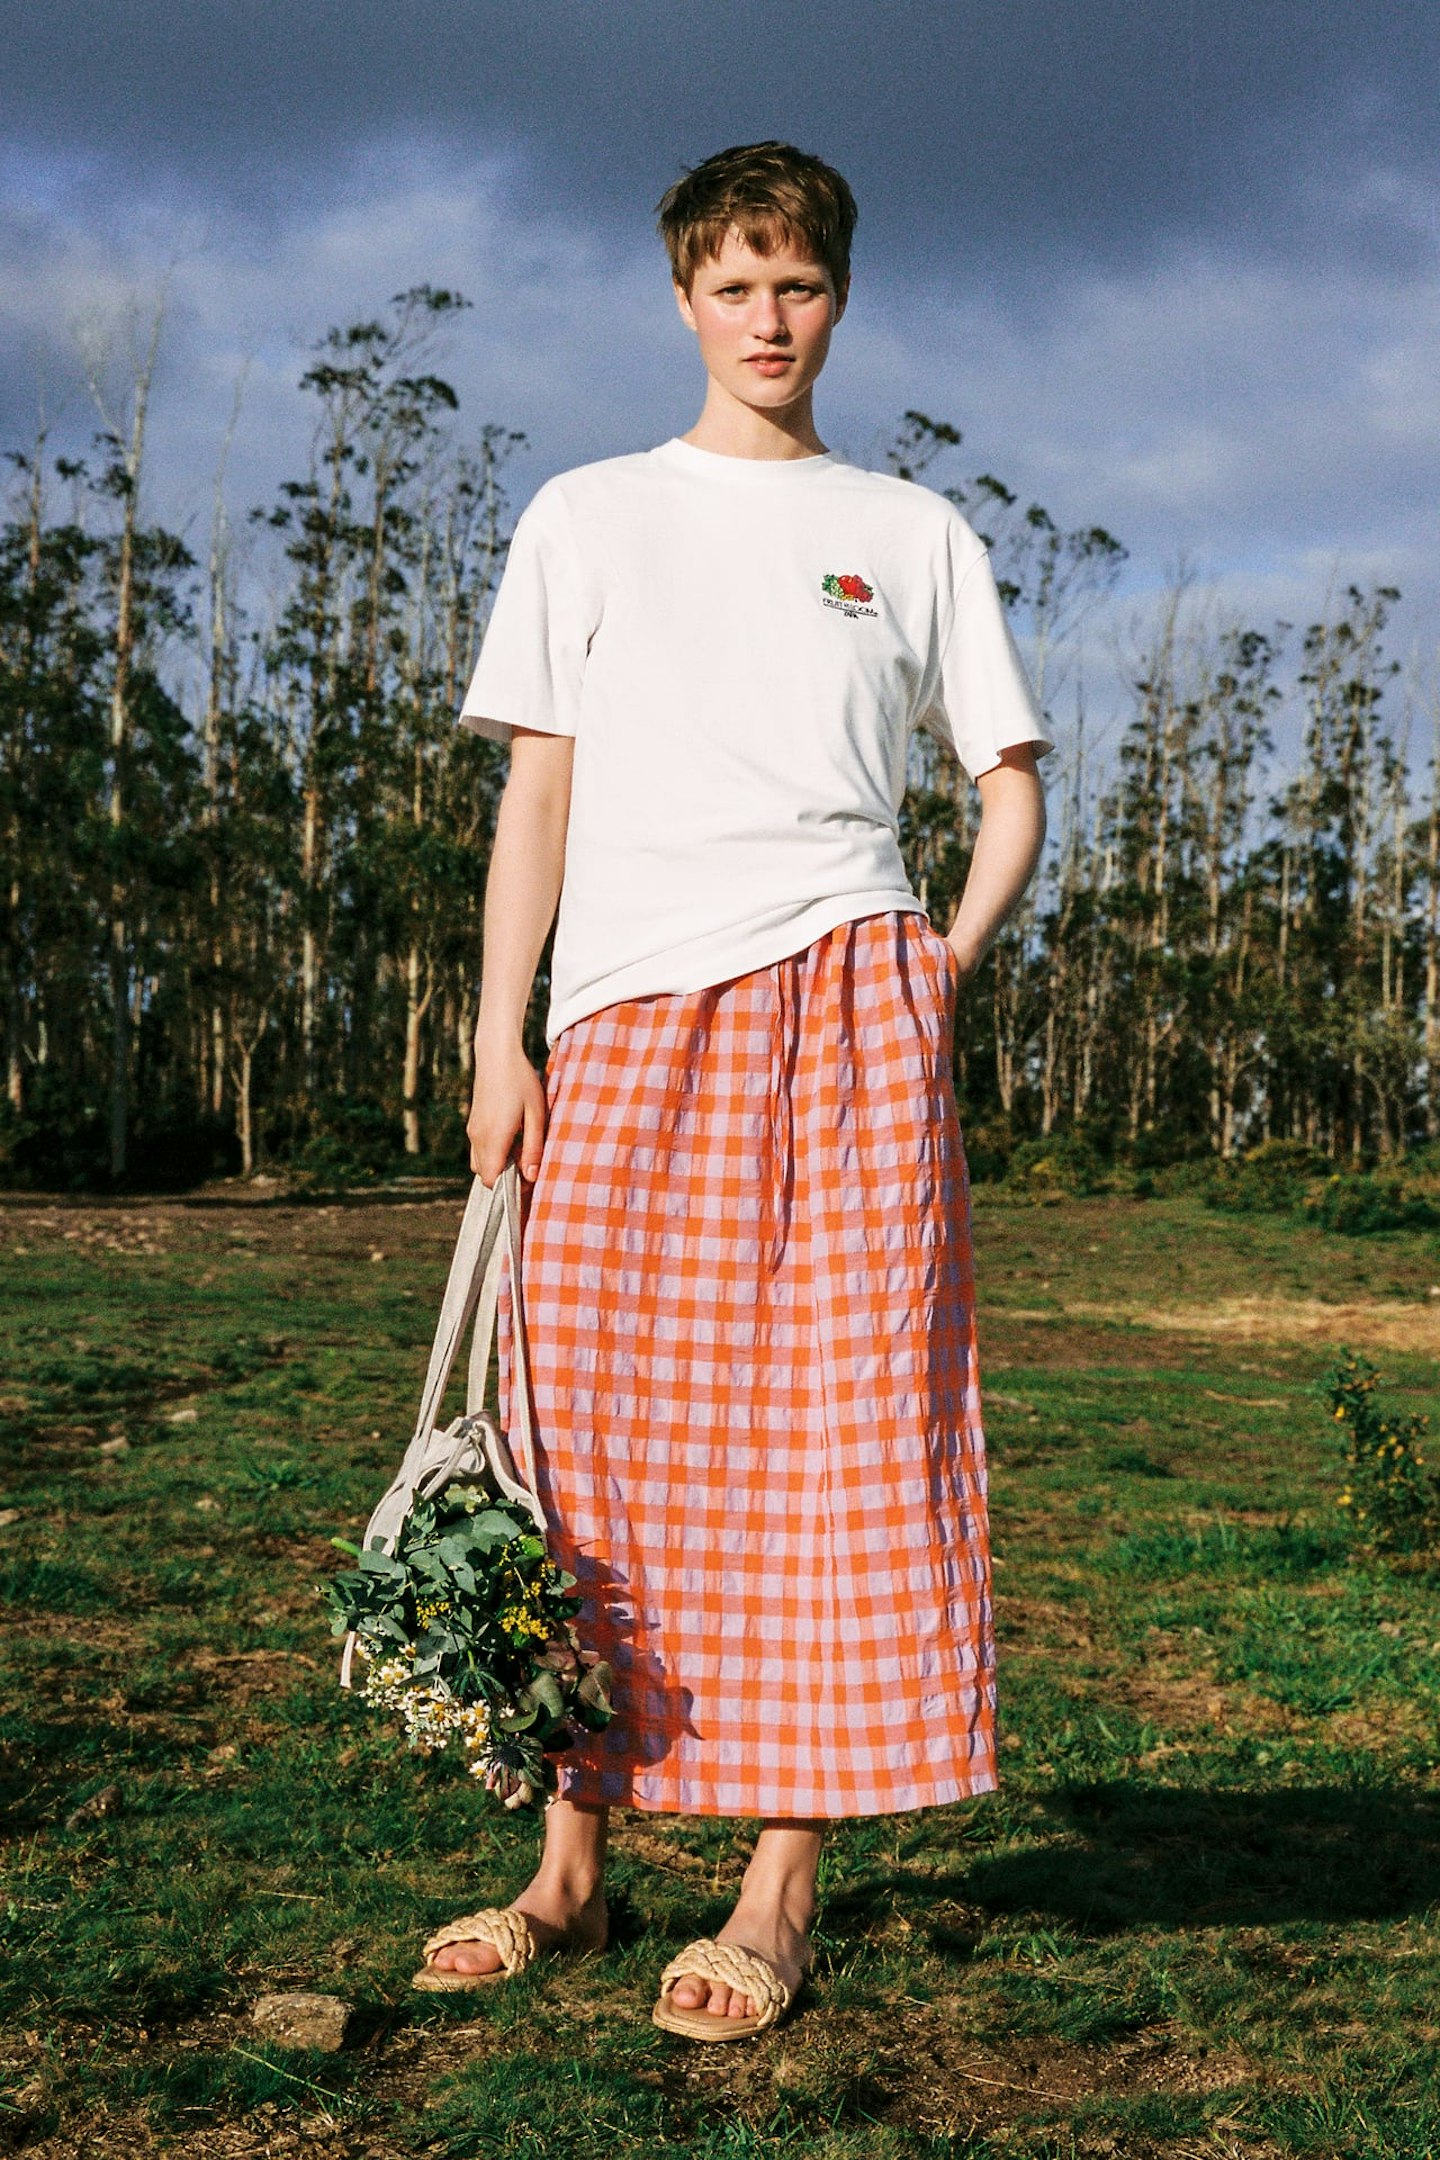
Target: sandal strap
(734, 1966)
(508, 1931)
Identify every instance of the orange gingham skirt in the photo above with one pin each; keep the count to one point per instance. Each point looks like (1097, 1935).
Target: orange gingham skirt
(749, 1294)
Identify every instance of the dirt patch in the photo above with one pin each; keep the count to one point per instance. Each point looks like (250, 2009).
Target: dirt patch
(1055, 1342)
(238, 1676)
(129, 2137)
(972, 2086)
(1081, 1336)
(101, 1636)
(1036, 1626)
(1399, 1719)
(643, 1842)
(1275, 1319)
(1188, 1703)
(373, 1229)
(915, 2066)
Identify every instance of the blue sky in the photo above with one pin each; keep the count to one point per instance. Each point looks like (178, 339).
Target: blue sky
(1171, 268)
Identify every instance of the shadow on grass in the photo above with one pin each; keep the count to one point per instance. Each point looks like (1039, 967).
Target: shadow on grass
(1135, 1856)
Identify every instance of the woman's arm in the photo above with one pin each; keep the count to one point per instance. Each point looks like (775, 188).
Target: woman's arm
(527, 864)
(1007, 848)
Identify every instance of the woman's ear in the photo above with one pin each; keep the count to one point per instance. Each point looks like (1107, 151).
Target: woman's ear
(682, 301)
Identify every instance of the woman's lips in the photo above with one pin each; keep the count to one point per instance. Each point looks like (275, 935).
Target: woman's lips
(769, 363)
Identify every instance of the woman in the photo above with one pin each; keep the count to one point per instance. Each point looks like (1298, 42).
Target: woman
(747, 1270)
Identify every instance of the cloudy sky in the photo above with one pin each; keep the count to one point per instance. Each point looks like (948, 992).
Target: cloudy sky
(1173, 266)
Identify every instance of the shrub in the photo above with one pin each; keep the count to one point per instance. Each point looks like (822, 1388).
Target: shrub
(989, 1143)
(1391, 1499)
(61, 1144)
(180, 1152)
(448, 1154)
(1270, 1179)
(353, 1141)
(1063, 1163)
(1182, 1178)
(57, 1145)
(1359, 1206)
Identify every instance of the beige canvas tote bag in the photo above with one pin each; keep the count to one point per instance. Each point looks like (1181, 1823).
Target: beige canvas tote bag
(472, 1448)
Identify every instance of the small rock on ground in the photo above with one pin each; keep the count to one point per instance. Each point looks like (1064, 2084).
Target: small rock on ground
(107, 1801)
(303, 2021)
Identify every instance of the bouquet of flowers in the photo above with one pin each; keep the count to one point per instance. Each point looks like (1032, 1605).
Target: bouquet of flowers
(466, 1630)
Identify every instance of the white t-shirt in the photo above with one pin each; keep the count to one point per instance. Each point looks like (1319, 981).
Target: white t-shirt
(740, 648)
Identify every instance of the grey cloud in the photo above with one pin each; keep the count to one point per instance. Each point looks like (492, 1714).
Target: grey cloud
(1102, 125)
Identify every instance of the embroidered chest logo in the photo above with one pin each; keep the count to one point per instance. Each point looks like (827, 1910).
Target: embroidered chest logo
(849, 593)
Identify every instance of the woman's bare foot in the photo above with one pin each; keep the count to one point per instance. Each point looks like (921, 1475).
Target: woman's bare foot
(564, 1902)
(773, 1914)
(558, 1913)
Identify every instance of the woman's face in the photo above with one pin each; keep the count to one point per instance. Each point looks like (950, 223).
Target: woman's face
(763, 321)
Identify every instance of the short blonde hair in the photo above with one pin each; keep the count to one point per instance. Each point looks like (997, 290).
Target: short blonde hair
(770, 193)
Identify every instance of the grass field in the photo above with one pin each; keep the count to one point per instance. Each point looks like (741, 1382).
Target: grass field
(1201, 1916)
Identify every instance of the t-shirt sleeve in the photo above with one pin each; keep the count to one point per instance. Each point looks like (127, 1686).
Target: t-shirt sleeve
(982, 702)
(532, 656)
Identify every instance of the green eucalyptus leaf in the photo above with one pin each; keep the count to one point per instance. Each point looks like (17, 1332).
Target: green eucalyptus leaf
(494, 1523)
(544, 1689)
(376, 1562)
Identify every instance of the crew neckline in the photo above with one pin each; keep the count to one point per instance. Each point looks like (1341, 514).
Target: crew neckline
(743, 470)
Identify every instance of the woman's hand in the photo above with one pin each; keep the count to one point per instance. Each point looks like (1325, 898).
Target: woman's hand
(965, 964)
(1002, 863)
(508, 1098)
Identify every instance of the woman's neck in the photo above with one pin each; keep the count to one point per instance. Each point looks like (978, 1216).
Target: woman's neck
(733, 429)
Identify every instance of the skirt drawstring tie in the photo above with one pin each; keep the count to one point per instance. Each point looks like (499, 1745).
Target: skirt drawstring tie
(779, 1117)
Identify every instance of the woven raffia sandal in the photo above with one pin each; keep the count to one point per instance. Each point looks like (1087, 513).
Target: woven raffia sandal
(739, 1968)
(509, 1931)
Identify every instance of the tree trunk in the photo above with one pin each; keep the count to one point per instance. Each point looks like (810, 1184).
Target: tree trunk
(214, 712)
(416, 1007)
(119, 954)
(242, 1072)
(28, 669)
(309, 949)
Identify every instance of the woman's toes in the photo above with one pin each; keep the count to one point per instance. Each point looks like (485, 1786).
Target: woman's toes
(468, 1957)
(690, 1992)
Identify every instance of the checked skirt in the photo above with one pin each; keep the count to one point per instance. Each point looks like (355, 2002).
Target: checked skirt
(750, 1300)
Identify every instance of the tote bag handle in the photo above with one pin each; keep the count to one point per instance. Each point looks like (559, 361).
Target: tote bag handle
(489, 1234)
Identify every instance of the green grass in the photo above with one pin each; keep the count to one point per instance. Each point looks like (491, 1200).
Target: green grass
(1201, 1915)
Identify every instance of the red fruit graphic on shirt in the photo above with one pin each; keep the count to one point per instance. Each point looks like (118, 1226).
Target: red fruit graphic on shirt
(846, 586)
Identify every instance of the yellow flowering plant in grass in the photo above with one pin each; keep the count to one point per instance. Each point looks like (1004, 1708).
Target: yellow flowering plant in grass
(1391, 1498)
(467, 1633)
